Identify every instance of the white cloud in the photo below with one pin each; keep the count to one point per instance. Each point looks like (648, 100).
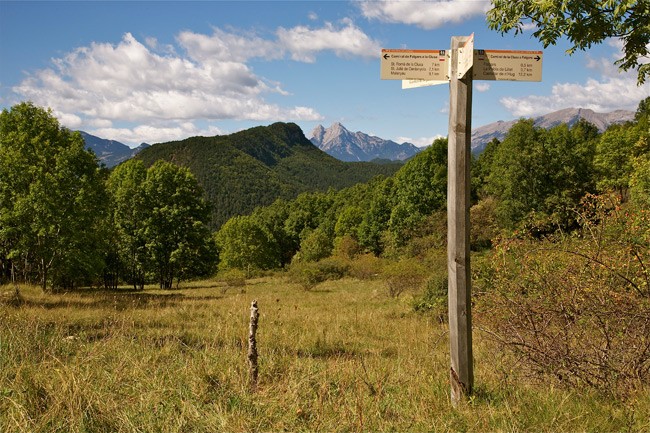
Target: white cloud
(69, 120)
(529, 27)
(104, 85)
(608, 94)
(425, 14)
(155, 133)
(304, 43)
(420, 141)
(613, 90)
(230, 47)
(151, 42)
(482, 86)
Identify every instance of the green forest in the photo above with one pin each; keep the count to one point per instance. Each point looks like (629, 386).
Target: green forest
(182, 210)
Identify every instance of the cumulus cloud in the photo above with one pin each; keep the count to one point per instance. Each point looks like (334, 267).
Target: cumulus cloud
(482, 86)
(105, 85)
(224, 46)
(304, 43)
(609, 93)
(425, 14)
(420, 141)
(155, 133)
(613, 90)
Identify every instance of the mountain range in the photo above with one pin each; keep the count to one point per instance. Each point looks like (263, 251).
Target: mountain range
(483, 135)
(110, 152)
(342, 144)
(255, 167)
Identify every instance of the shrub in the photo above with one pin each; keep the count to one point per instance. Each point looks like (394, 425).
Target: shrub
(315, 246)
(577, 308)
(434, 297)
(484, 225)
(403, 275)
(347, 247)
(366, 267)
(310, 274)
(233, 277)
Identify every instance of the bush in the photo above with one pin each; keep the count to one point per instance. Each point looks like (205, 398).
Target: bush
(402, 276)
(434, 297)
(366, 267)
(233, 277)
(310, 274)
(346, 247)
(484, 225)
(577, 308)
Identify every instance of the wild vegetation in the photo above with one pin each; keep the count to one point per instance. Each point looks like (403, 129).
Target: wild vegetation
(343, 356)
(351, 284)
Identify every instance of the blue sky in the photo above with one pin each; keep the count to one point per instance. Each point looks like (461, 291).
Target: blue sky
(159, 71)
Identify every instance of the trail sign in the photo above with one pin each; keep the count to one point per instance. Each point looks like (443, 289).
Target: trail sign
(417, 68)
(414, 64)
(507, 65)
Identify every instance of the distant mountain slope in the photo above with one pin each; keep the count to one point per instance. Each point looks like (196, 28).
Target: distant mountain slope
(483, 135)
(110, 152)
(252, 168)
(342, 144)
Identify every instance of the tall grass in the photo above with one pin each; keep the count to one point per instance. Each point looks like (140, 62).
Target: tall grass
(343, 356)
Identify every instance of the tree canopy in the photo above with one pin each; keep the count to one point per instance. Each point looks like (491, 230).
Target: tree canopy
(52, 200)
(584, 23)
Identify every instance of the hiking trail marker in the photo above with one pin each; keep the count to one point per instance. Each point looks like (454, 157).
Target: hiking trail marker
(459, 66)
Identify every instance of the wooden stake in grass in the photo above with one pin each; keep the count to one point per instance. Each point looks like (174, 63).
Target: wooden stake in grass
(252, 344)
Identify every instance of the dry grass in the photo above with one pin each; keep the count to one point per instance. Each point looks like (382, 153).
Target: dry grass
(341, 357)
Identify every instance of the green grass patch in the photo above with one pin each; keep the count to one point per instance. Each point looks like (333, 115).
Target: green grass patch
(343, 357)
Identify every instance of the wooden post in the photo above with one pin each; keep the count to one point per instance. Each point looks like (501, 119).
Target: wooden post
(458, 196)
(252, 345)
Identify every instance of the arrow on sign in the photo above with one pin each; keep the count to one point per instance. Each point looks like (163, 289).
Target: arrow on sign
(386, 56)
(538, 58)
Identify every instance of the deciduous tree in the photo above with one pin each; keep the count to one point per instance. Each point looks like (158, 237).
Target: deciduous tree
(52, 199)
(175, 225)
(584, 23)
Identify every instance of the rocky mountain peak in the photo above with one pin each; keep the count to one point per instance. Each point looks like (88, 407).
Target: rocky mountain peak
(342, 144)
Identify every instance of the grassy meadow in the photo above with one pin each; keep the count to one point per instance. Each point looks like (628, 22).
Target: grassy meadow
(343, 356)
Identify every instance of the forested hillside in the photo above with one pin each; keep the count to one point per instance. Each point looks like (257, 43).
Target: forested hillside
(534, 183)
(252, 168)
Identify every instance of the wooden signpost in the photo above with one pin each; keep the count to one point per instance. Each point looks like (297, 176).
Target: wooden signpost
(464, 64)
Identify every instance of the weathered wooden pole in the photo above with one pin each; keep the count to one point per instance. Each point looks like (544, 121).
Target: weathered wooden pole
(252, 345)
(458, 197)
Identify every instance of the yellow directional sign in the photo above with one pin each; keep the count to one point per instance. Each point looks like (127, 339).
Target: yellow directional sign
(414, 64)
(507, 65)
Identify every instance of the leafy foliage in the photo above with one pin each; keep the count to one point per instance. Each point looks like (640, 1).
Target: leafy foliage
(577, 308)
(52, 200)
(175, 232)
(539, 175)
(244, 243)
(128, 214)
(160, 221)
(584, 23)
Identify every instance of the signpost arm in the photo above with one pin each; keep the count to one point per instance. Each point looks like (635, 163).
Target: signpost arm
(458, 256)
